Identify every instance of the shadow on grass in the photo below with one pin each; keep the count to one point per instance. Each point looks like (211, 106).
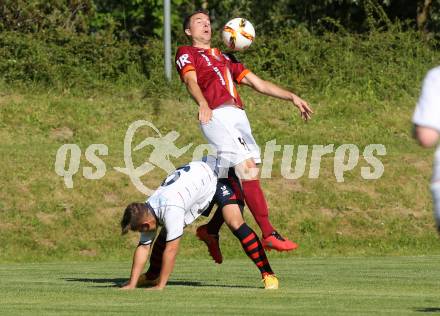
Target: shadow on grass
(428, 309)
(117, 282)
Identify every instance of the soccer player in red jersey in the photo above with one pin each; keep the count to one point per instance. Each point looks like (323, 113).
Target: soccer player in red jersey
(210, 78)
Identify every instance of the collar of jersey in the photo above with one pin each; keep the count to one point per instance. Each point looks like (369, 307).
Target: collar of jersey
(211, 51)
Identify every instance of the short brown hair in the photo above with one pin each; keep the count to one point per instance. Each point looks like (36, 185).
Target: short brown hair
(187, 20)
(133, 215)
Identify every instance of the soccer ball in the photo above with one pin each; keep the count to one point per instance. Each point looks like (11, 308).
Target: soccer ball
(238, 34)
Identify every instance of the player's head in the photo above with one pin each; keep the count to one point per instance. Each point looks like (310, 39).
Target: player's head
(197, 26)
(138, 217)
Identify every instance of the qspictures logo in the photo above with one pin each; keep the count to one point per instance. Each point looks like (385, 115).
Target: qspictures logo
(345, 158)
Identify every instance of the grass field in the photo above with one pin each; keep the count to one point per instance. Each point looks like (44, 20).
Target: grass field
(363, 243)
(311, 286)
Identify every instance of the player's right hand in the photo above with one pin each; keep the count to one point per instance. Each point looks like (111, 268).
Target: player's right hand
(205, 114)
(127, 286)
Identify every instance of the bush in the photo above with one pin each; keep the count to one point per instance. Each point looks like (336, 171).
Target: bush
(65, 60)
(385, 64)
(369, 64)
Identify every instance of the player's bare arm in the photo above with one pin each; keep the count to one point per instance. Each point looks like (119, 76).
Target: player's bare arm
(190, 80)
(270, 89)
(139, 259)
(426, 136)
(168, 261)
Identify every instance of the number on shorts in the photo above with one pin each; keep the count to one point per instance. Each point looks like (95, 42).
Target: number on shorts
(242, 141)
(175, 175)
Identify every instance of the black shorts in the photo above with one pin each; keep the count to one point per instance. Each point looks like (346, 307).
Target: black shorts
(228, 192)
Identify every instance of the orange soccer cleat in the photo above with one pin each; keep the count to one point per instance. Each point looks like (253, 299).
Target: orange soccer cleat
(277, 242)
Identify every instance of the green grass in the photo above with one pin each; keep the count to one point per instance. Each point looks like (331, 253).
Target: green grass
(312, 286)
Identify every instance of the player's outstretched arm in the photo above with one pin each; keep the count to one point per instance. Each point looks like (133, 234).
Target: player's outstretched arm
(270, 89)
(190, 80)
(139, 259)
(168, 260)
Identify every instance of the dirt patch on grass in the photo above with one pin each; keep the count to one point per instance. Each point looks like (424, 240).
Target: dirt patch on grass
(423, 165)
(111, 198)
(88, 252)
(359, 187)
(281, 185)
(109, 217)
(61, 133)
(110, 213)
(411, 213)
(6, 99)
(328, 212)
(46, 243)
(45, 218)
(6, 226)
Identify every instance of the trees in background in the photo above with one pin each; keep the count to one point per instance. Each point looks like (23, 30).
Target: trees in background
(139, 19)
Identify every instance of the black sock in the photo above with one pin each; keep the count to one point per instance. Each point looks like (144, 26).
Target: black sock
(215, 222)
(253, 248)
(156, 254)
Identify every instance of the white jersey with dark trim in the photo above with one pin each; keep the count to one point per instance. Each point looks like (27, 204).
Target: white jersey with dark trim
(182, 197)
(427, 112)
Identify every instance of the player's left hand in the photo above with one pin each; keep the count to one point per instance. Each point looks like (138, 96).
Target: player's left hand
(155, 288)
(303, 107)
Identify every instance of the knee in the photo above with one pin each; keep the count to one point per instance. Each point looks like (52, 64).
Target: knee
(232, 216)
(235, 224)
(247, 170)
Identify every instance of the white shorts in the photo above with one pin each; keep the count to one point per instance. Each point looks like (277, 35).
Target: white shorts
(229, 132)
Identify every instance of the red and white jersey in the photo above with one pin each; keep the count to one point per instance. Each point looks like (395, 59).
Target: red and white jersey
(182, 197)
(216, 73)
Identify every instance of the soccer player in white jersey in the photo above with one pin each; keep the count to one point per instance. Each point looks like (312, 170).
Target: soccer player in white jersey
(426, 121)
(182, 197)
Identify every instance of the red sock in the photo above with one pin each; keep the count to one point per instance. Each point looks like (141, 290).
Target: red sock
(256, 202)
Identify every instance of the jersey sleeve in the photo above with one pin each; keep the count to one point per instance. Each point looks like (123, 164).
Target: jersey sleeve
(174, 222)
(238, 70)
(427, 111)
(147, 238)
(184, 61)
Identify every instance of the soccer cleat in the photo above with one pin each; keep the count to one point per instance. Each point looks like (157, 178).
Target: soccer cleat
(145, 280)
(212, 242)
(275, 241)
(270, 282)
